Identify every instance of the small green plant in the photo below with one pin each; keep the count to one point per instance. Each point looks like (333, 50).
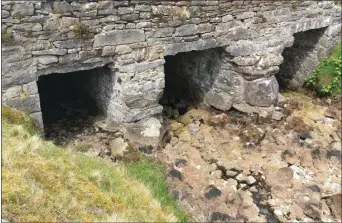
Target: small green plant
(294, 5)
(326, 78)
(80, 30)
(6, 36)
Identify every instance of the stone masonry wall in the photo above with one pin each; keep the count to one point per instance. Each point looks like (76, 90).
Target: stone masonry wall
(132, 37)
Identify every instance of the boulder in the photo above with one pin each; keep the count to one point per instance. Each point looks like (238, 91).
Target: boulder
(262, 92)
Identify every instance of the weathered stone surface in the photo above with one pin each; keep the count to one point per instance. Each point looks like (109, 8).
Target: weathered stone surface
(38, 45)
(24, 9)
(123, 49)
(261, 92)
(68, 58)
(13, 54)
(108, 51)
(20, 72)
(244, 48)
(205, 28)
(186, 30)
(118, 37)
(228, 25)
(130, 17)
(71, 43)
(227, 18)
(47, 59)
(11, 92)
(29, 103)
(30, 88)
(61, 7)
(4, 14)
(139, 67)
(54, 51)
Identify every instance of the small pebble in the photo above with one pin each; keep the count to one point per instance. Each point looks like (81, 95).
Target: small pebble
(250, 180)
(230, 173)
(253, 189)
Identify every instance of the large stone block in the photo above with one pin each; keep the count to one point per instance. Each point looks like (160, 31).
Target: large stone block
(13, 54)
(244, 48)
(72, 43)
(38, 119)
(186, 30)
(118, 37)
(47, 59)
(61, 7)
(11, 92)
(28, 104)
(53, 51)
(30, 88)
(24, 9)
(17, 73)
(262, 92)
(219, 100)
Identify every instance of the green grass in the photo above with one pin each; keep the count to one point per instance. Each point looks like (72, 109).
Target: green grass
(326, 78)
(153, 175)
(45, 183)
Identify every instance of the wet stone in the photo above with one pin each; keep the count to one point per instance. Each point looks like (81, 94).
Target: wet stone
(175, 174)
(315, 188)
(176, 194)
(212, 192)
(304, 135)
(146, 149)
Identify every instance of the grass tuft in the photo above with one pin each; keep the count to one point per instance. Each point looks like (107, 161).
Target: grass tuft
(80, 30)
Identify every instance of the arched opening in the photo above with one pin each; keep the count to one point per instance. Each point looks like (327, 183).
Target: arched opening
(71, 101)
(300, 59)
(188, 76)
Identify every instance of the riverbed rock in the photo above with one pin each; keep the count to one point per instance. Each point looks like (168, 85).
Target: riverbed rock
(118, 147)
(334, 202)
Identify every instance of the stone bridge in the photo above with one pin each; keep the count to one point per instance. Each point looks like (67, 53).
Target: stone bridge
(233, 52)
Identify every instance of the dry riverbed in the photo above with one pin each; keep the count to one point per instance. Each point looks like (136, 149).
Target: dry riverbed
(279, 167)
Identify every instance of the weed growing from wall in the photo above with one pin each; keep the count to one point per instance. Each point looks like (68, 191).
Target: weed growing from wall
(326, 78)
(80, 30)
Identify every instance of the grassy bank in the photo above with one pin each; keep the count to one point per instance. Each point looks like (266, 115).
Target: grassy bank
(45, 183)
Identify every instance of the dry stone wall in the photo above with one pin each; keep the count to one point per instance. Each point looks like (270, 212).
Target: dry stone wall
(132, 38)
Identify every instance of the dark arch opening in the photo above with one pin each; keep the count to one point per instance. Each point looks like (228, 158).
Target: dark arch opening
(188, 76)
(299, 59)
(71, 101)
